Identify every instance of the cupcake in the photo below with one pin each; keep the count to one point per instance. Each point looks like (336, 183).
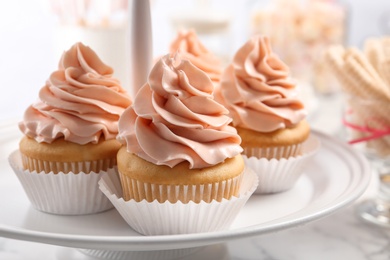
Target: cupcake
(262, 100)
(180, 156)
(191, 48)
(70, 135)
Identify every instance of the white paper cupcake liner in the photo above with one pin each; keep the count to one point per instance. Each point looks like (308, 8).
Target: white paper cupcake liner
(154, 218)
(63, 194)
(274, 152)
(75, 167)
(277, 175)
(134, 189)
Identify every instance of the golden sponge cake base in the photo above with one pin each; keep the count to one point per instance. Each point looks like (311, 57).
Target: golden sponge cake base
(281, 143)
(64, 156)
(143, 180)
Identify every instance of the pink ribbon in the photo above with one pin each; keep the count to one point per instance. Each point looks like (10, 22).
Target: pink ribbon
(374, 133)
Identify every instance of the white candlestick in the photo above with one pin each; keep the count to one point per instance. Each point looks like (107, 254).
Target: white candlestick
(140, 43)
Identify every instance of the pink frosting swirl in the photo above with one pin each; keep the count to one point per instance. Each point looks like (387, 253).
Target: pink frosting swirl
(257, 90)
(80, 101)
(174, 118)
(189, 46)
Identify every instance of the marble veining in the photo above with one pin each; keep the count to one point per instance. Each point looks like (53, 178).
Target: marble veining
(340, 236)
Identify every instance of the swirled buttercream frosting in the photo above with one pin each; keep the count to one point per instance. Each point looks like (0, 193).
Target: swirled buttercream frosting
(190, 47)
(258, 91)
(174, 118)
(80, 102)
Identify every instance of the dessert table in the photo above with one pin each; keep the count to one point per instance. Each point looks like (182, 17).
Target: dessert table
(338, 236)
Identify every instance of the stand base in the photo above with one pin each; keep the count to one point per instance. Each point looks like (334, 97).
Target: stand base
(128, 255)
(374, 212)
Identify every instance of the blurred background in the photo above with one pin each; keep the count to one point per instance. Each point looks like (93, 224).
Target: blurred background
(34, 33)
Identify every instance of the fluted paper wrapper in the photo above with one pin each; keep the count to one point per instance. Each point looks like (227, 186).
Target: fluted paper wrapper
(63, 194)
(137, 190)
(155, 218)
(75, 167)
(278, 175)
(274, 152)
